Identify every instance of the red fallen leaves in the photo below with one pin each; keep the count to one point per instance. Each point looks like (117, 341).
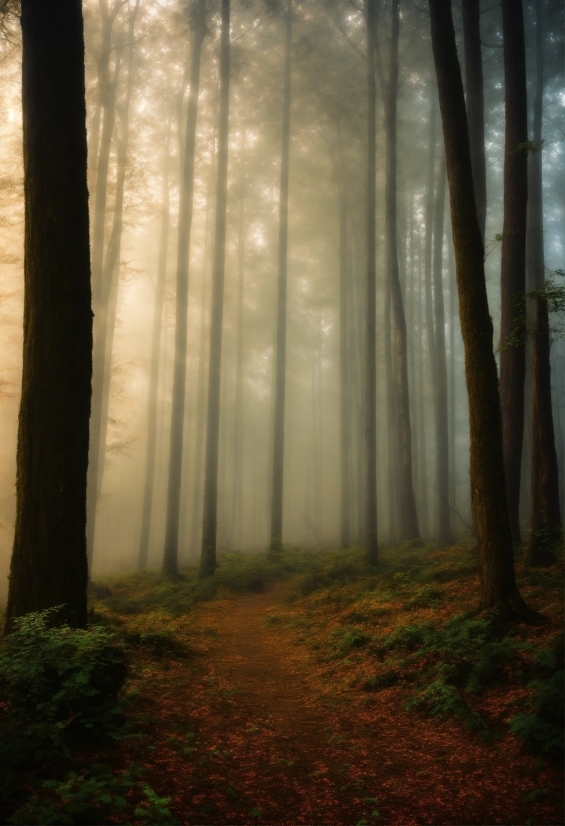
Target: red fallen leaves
(266, 734)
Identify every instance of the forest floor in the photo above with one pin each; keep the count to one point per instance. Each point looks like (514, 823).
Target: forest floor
(288, 706)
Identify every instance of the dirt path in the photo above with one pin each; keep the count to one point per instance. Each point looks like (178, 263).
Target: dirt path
(246, 732)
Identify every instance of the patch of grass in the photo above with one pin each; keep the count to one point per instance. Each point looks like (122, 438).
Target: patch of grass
(148, 591)
(348, 639)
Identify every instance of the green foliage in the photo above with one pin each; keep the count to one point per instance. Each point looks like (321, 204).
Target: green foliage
(238, 573)
(553, 293)
(58, 687)
(348, 639)
(541, 728)
(468, 654)
(61, 683)
(92, 798)
(424, 597)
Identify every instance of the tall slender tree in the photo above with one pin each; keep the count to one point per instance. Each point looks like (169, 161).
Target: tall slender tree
(171, 551)
(488, 491)
(442, 421)
(344, 383)
(371, 546)
(210, 520)
(277, 489)
(513, 263)
(475, 103)
(152, 400)
(104, 341)
(100, 151)
(545, 515)
(407, 504)
(49, 565)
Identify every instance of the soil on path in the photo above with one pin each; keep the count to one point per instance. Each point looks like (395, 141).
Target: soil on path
(248, 731)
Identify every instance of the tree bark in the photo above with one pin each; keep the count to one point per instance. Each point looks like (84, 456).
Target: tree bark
(475, 104)
(49, 566)
(171, 550)
(442, 421)
(488, 494)
(407, 504)
(513, 264)
(545, 515)
(371, 542)
(209, 526)
(344, 382)
(154, 369)
(280, 347)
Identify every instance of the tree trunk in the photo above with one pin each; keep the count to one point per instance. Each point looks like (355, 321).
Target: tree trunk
(407, 504)
(195, 524)
(170, 556)
(475, 104)
(237, 490)
(344, 389)
(371, 546)
(442, 422)
(105, 327)
(424, 517)
(208, 558)
(99, 300)
(154, 370)
(49, 566)
(545, 518)
(391, 417)
(513, 264)
(452, 380)
(280, 348)
(428, 274)
(488, 496)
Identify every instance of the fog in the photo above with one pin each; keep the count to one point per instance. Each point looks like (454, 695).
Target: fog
(327, 151)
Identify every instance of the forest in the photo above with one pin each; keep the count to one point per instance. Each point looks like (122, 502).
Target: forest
(282, 404)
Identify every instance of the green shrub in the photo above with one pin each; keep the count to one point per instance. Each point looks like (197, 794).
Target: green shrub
(93, 798)
(541, 728)
(58, 687)
(61, 683)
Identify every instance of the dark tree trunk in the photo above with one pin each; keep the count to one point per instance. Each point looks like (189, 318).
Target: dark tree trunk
(475, 104)
(49, 566)
(488, 495)
(209, 522)
(344, 383)
(371, 546)
(170, 556)
(545, 518)
(280, 347)
(513, 265)
(407, 505)
(452, 383)
(442, 424)
(154, 369)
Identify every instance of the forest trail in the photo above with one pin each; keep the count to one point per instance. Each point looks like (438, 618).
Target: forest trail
(251, 730)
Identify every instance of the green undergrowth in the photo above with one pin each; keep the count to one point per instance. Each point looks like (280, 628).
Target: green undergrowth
(237, 573)
(61, 696)
(412, 622)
